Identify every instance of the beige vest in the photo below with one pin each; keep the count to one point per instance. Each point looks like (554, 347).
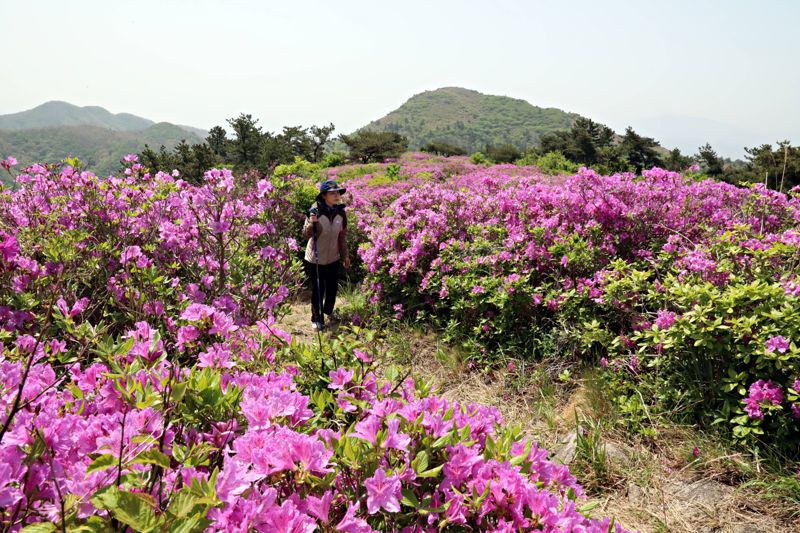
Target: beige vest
(327, 240)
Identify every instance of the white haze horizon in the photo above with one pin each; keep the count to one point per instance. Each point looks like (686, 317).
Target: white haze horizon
(683, 72)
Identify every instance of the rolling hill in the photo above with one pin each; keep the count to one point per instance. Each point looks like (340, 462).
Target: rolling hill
(54, 130)
(471, 120)
(100, 148)
(57, 113)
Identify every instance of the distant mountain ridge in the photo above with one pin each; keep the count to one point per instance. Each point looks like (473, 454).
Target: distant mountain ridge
(99, 148)
(58, 113)
(471, 120)
(55, 130)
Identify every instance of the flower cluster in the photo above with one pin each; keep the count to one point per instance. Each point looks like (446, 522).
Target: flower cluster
(762, 393)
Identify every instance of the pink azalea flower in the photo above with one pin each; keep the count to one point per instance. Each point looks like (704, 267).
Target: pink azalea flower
(367, 429)
(187, 335)
(79, 306)
(8, 162)
(320, 507)
(197, 312)
(62, 306)
(215, 356)
(665, 319)
(340, 378)
(362, 356)
(131, 253)
(777, 343)
(352, 524)
(398, 441)
(383, 492)
(9, 248)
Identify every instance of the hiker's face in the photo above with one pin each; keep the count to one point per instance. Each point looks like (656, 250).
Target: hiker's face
(332, 197)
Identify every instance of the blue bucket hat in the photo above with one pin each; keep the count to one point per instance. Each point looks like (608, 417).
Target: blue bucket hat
(330, 185)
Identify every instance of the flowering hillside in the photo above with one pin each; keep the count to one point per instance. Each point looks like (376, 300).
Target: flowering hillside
(145, 386)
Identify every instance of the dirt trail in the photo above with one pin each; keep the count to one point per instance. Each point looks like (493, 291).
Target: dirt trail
(297, 319)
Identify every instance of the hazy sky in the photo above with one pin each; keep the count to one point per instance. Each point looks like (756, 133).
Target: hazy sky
(301, 62)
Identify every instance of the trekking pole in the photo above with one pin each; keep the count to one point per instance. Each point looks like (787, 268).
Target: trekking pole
(319, 288)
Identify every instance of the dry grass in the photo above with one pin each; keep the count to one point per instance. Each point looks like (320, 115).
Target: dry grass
(650, 486)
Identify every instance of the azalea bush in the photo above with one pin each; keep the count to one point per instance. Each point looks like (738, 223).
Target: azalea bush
(711, 335)
(684, 288)
(121, 250)
(144, 383)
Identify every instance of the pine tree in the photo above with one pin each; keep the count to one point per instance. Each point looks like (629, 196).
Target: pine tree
(246, 145)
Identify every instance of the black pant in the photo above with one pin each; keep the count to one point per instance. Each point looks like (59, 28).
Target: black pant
(328, 284)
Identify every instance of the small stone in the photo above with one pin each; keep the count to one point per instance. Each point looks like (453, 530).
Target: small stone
(636, 494)
(564, 453)
(617, 454)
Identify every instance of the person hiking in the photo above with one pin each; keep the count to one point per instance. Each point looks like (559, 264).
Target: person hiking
(326, 231)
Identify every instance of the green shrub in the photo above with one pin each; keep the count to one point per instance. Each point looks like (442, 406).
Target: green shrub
(505, 153)
(479, 159)
(300, 167)
(333, 159)
(554, 163)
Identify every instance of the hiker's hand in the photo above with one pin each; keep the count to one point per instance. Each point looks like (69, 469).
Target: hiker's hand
(346, 263)
(313, 218)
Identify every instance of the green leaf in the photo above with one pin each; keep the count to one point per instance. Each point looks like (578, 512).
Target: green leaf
(153, 457)
(76, 392)
(521, 458)
(182, 504)
(490, 447)
(433, 472)
(478, 502)
(178, 391)
(39, 527)
(409, 499)
(135, 509)
(94, 524)
(192, 524)
(741, 431)
(103, 462)
(441, 441)
(125, 347)
(420, 462)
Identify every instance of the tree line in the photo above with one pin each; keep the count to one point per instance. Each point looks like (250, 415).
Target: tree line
(595, 145)
(591, 144)
(586, 143)
(250, 148)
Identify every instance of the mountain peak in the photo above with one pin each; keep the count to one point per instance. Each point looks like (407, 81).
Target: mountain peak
(471, 120)
(455, 90)
(56, 104)
(59, 113)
